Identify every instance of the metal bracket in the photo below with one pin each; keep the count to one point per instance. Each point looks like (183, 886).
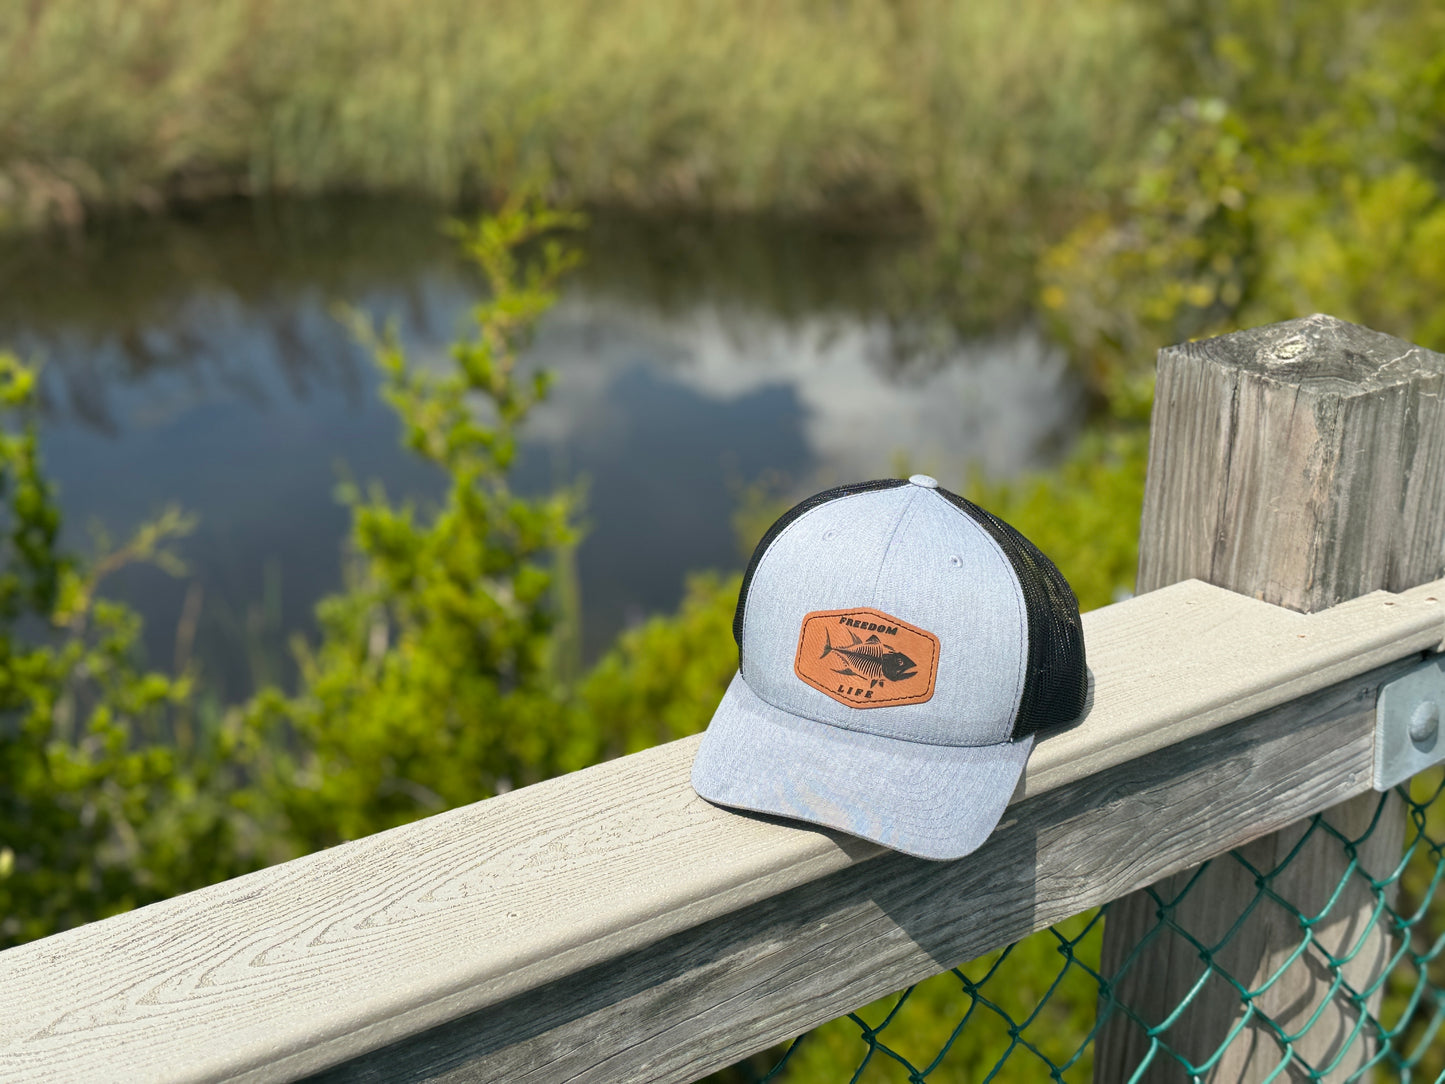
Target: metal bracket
(1410, 723)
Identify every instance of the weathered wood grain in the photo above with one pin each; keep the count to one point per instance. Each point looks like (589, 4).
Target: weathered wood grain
(292, 969)
(1179, 661)
(1303, 464)
(703, 999)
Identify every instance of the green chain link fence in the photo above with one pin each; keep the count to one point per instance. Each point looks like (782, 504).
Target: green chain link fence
(1032, 1011)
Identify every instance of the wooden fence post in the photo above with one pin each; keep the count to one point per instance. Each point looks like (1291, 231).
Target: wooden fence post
(1304, 464)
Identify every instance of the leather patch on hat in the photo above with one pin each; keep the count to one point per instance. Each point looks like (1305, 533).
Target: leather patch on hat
(866, 658)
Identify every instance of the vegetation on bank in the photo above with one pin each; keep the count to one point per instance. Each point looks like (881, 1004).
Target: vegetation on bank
(1156, 170)
(956, 111)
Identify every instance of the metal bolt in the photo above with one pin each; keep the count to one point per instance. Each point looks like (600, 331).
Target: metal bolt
(1425, 722)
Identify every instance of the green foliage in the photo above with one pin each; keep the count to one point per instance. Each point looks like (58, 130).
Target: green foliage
(1406, 1007)
(1084, 514)
(664, 679)
(110, 797)
(434, 683)
(1299, 171)
(793, 105)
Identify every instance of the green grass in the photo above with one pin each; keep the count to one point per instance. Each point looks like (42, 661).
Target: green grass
(952, 111)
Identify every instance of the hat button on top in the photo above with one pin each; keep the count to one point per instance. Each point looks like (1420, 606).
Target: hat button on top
(923, 480)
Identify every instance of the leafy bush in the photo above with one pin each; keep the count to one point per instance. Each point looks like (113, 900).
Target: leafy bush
(1297, 170)
(114, 793)
(434, 682)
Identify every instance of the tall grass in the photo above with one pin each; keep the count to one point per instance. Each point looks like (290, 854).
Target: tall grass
(945, 110)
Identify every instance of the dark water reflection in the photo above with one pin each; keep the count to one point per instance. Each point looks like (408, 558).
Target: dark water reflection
(196, 360)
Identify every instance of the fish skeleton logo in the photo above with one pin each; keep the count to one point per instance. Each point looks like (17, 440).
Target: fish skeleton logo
(866, 658)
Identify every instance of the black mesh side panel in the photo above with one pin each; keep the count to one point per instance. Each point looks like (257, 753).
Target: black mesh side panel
(782, 524)
(1057, 680)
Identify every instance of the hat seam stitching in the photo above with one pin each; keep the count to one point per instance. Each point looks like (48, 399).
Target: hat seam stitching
(771, 547)
(1019, 609)
(904, 516)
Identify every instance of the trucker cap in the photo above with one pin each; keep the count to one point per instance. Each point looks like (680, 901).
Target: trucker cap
(899, 648)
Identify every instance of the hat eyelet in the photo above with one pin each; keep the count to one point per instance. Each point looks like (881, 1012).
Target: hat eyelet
(955, 560)
(830, 534)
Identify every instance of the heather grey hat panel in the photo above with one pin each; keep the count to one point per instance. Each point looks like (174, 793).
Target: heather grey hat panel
(911, 554)
(955, 578)
(813, 565)
(927, 800)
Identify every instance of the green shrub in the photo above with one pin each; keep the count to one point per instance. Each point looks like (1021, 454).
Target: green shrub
(1297, 169)
(434, 681)
(114, 793)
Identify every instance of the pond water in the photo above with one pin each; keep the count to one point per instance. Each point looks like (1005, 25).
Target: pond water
(196, 360)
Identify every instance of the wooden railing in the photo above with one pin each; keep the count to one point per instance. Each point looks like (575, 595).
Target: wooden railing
(611, 926)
